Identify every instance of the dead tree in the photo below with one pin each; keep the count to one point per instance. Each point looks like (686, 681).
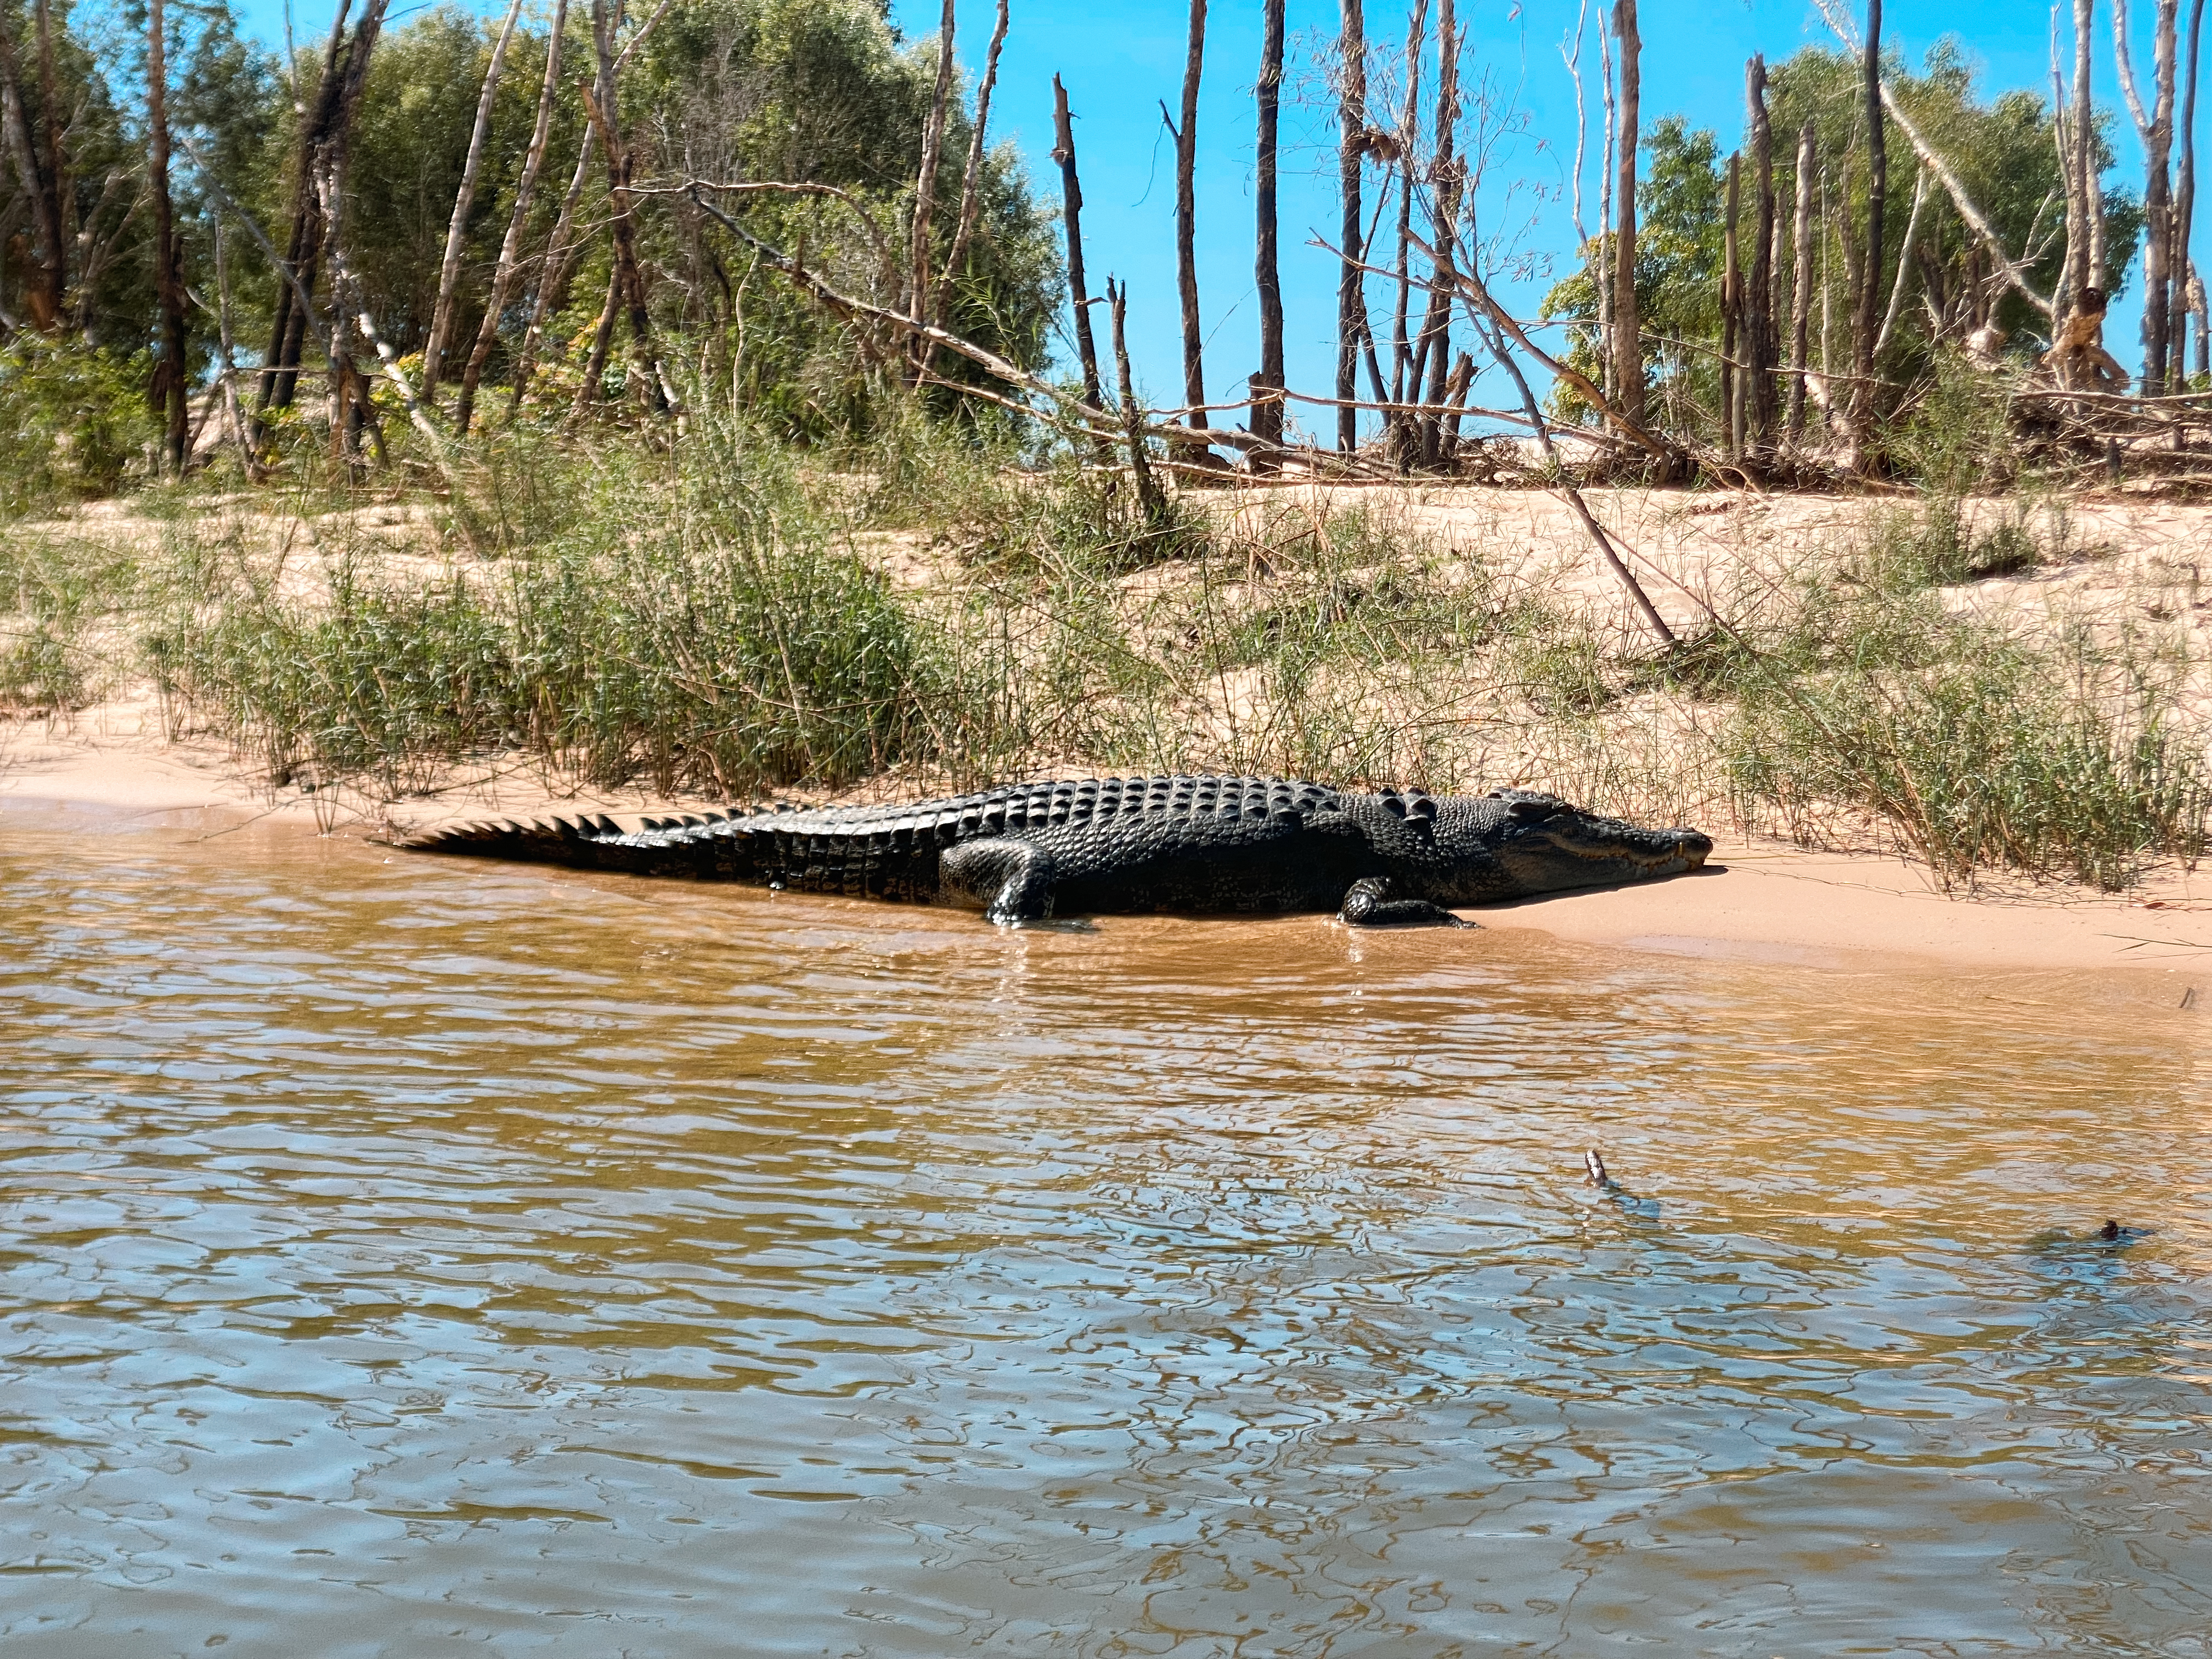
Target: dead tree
(1151, 502)
(1063, 151)
(1185, 143)
(1267, 421)
(924, 184)
(1432, 353)
(1800, 285)
(2181, 270)
(1761, 352)
(170, 373)
(2154, 126)
(971, 179)
(2076, 154)
(1731, 312)
(510, 247)
(1627, 386)
(323, 129)
(1401, 347)
(1605, 172)
(1904, 252)
(1867, 317)
(1351, 291)
(449, 268)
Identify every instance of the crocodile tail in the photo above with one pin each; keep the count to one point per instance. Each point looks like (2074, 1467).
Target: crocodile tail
(579, 841)
(711, 847)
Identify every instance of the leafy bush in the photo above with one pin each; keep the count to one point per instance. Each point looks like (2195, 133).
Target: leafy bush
(2048, 761)
(693, 626)
(73, 418)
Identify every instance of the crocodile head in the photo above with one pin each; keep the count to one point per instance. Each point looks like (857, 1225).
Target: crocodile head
(1542, 844)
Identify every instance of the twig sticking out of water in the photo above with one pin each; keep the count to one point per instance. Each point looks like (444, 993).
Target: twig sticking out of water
(1596, 1165)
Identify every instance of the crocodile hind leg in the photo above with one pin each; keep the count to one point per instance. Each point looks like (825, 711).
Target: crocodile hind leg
(1012, 880)
(1368, 904)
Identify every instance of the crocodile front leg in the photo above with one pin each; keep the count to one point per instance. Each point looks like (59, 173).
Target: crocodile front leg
(1368, 904)
(1012, 880)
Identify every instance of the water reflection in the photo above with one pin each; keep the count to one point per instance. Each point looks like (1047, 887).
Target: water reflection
(407, 1258)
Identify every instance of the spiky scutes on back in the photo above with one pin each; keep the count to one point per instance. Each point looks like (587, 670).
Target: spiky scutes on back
(786, 838)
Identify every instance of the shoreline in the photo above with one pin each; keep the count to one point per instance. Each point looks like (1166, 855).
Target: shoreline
(1759, 901)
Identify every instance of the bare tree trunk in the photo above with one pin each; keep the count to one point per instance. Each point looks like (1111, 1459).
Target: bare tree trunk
(1606, 251)
(2200, 309)
(1186, 142)
(603, 334)
(2076, 146)
(1731, 312)
(348, 392)
(449, 269)
(510, 247)
(2155, 128)
(971, 180)
(555, 271)
(1431, 358)
(246, 458)
(1868, 317)
(47, 296)
(1761, 350)
(1351, 289)
(54, 124)
(601, 107)
(1829, 234)
(1627, 331)
(322, 142)
(1801, 286)
(169, 368)
(2086, 271)
(1267, 421)
(1401, 347)
(2185, 203)
(924, 184)
(1150, 499)
(1904, 263)
(1086, 346)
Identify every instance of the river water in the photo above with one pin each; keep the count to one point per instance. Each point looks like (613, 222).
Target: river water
(404, 1257)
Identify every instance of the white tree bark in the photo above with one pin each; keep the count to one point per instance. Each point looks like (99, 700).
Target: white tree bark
(449, 272)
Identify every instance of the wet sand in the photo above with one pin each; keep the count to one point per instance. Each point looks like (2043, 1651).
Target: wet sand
(1759, 901)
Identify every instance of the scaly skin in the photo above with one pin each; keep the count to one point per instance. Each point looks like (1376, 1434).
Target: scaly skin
(1188, 845)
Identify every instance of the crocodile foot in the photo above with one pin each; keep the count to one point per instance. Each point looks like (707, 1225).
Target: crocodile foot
(1368, 904)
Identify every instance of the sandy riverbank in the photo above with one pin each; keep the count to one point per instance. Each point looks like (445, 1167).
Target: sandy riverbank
(1762, 901)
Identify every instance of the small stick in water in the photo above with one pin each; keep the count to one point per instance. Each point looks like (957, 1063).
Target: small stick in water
(2109, 1232)
(1596, 1165)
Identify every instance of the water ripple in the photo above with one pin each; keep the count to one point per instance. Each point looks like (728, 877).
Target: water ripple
(404, 1258)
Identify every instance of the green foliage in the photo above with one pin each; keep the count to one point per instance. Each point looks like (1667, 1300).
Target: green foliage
(2050, 762)
(2001, 151)
(57, 597)
(73, 419)
(696, 626)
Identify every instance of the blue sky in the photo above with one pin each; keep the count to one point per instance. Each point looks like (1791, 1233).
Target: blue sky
(1119, 60)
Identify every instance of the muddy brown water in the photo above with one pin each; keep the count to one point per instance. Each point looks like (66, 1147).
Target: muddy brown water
(401, 1257)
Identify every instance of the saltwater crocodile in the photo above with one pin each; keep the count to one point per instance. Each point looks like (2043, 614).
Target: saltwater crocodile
(1195, 845)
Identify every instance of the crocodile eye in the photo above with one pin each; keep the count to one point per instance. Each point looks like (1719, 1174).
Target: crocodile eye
(1533, 812)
